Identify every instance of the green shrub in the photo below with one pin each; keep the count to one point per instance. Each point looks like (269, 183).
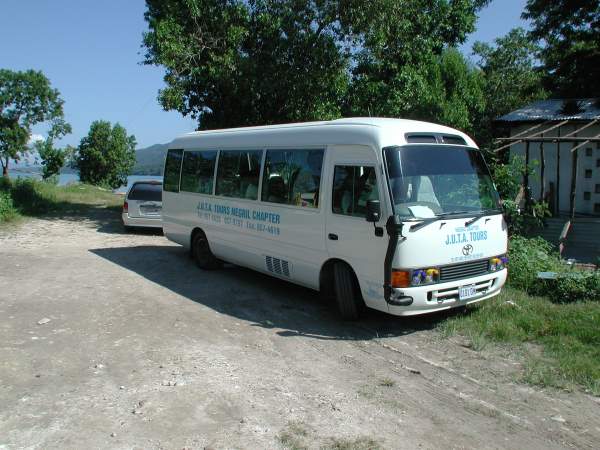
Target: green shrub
(7, 208)
(528, 256)
(574, 286)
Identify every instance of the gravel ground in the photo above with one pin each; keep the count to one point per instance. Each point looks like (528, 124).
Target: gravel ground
(116, 340)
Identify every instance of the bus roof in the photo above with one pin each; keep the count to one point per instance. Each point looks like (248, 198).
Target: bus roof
(356, 130)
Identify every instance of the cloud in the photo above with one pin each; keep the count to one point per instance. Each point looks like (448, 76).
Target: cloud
(33, 138)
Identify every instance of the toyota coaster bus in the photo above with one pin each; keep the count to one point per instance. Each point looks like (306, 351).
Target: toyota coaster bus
(397, 215)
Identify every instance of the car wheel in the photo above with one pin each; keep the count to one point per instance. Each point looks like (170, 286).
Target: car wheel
(203, 255)
(347, 296)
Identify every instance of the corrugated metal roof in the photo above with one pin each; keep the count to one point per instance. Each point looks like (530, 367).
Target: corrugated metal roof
(552, 109)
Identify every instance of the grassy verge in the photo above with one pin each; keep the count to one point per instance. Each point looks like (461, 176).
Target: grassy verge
(568, 335)
(30, 198)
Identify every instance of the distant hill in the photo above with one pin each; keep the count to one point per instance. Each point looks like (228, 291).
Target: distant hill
(150, 160)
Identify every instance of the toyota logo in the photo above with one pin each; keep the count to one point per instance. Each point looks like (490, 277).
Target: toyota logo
(467, 250)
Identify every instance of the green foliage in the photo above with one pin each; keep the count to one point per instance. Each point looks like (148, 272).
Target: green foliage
(106, 155)
(508, 179)
(511, 78)
(442, 88)
(234, 63)
(527, 220)
(53, 159)
(8, 212)
(26, 99)
(569, 30)
(528, 256)
(568, 335)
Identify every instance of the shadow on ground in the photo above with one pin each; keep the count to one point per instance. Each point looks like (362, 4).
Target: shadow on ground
(263, 300)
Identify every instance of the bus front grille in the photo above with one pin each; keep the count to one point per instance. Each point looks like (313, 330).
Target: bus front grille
(463, 270)
(278, 266)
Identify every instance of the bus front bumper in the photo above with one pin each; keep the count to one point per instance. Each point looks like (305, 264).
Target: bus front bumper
(440, 296)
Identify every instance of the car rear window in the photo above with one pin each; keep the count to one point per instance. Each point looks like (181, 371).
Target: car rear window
(146, 191)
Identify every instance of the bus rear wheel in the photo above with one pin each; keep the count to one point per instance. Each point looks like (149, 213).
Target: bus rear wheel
(347, 296)
(204, 257)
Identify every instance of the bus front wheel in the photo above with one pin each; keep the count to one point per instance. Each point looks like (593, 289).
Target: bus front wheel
(202, 254)
(346, 292)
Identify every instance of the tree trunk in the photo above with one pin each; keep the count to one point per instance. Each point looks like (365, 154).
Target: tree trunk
(5, 168)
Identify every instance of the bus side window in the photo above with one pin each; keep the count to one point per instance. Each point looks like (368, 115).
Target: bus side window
(292, 177)
(172, 170)
(238, 174)
(353, 186)
(197, 171)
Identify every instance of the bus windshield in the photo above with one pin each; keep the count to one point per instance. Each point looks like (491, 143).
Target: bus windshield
(433, 180)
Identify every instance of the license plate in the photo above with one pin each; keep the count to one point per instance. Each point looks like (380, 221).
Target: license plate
(150, 209)
(465, 292)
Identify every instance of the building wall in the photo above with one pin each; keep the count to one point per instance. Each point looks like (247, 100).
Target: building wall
(587, 197)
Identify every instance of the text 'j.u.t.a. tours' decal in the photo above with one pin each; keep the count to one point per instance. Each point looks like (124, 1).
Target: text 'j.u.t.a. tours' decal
(246, 218)
(464, 238)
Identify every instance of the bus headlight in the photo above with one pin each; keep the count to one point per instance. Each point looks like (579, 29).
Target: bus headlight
(425, 276)
(498, 263)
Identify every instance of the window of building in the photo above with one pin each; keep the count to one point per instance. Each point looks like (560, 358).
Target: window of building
(172, 170)
(238, 173)
(588, 173)
(587, 195)
(588, 151)
(292, 177)
(597, 191)
(597, 208)
(146, 192)
(598, 163)
(197, 171)
(353, 186)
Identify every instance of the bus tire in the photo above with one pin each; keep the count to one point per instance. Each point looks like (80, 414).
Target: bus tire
(204, 257)
(346, 294)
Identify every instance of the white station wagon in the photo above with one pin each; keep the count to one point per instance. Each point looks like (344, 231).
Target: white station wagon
(143, 205)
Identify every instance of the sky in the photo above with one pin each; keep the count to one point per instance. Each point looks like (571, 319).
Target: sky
(91, 52)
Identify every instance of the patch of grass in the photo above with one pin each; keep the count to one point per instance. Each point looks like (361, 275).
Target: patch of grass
(387, 382)
(299, 436)
(26, 197)
(360, 443)
(293, 437)
(567, 333)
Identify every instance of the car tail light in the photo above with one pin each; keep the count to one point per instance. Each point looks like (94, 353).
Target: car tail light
(125, 207)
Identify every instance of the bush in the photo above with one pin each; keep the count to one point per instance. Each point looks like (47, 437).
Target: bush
(574, 286)
(7, 208)
(528, 256)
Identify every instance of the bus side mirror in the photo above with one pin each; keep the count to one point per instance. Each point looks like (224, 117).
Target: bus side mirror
(373, 211)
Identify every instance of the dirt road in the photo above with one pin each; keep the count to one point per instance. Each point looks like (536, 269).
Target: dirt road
(113, 340)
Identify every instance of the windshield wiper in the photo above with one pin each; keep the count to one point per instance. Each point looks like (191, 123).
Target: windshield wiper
(437, 217)
(481, 214)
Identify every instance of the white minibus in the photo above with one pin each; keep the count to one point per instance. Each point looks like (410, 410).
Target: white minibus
(397, 215)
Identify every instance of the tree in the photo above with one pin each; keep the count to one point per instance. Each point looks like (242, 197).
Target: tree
(27, 99)
(511, 76)
(106, 155)
(53, 158)
(570, 32)
(248, 62)
(234, 63)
